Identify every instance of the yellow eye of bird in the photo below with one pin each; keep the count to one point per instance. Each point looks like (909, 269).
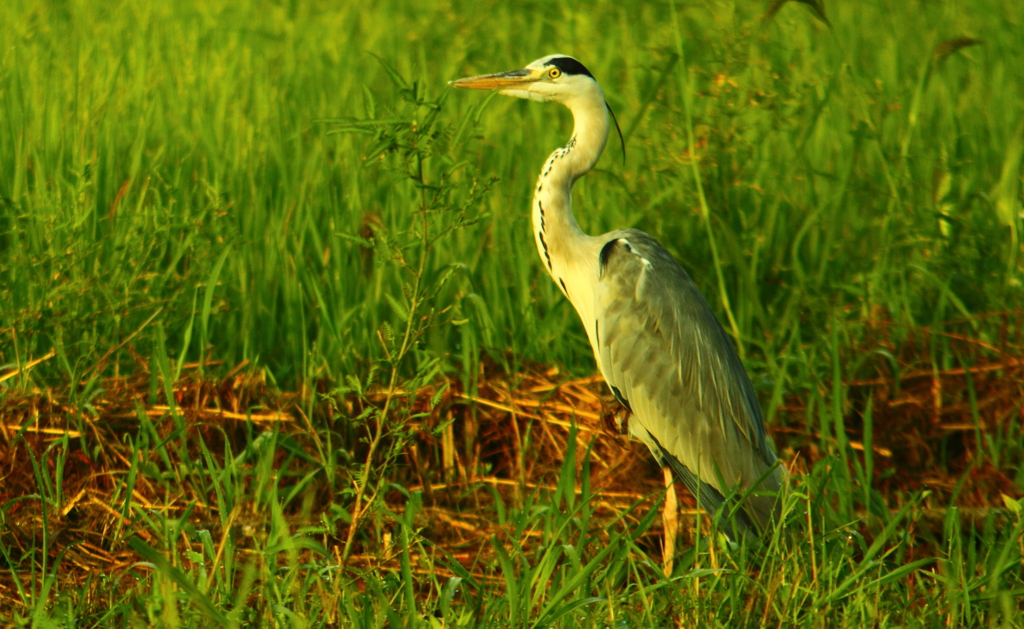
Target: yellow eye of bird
(554, 73)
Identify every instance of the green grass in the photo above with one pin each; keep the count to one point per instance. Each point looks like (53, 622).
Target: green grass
(197, 182)
(848, 171)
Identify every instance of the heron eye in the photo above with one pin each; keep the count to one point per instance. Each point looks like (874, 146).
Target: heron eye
(554, 73)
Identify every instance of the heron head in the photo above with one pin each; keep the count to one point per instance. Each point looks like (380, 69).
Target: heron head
(558, 78)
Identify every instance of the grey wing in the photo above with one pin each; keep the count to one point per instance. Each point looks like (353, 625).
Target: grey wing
(664, 353)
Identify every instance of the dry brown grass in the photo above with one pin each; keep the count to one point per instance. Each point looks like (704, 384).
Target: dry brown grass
(510, 435)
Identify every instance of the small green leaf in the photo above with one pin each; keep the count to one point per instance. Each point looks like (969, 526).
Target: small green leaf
(396, 78)
(436, 398)
(369, 103)
(356, 239)
(400, 310)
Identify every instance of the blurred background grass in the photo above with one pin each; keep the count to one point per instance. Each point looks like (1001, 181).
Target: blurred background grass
(173, 191)
(855, 173)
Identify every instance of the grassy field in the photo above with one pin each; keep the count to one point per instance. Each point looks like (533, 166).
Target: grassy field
(276, 348)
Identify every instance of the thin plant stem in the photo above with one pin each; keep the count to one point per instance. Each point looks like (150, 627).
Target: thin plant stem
(705, 213)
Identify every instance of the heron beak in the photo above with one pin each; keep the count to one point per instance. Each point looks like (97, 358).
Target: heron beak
(512, 78)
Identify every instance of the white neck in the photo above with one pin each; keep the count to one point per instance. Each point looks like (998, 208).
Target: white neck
(562, 245)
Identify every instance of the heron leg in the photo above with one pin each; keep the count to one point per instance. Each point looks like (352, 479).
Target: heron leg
(670, 520)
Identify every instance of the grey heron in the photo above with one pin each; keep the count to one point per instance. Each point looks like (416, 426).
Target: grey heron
(658, 344)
